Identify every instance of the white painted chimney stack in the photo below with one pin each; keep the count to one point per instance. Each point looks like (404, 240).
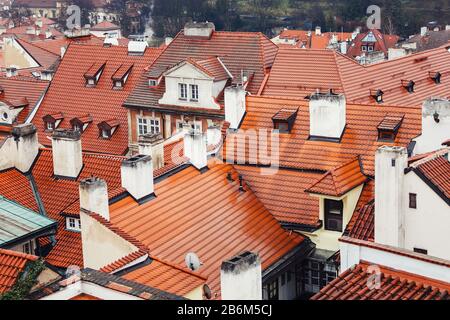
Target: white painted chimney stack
(94, 196)
(137, 176)
(152, 144)
(241, 277)
(423, 31)
(27, 146)
(195, 148)
(390, 165)
(234, 105)
(67, 155)
(318, 31)
(327, 115)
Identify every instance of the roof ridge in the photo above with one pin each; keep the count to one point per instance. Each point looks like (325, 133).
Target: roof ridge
(39, 48)
(430, 157)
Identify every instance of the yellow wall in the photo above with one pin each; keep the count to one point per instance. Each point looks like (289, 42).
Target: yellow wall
(328, 240)
(15, 55)
(196, 294)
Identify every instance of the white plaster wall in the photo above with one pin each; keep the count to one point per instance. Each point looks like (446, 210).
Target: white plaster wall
(11, 114)
(245, 285)
(426, 227)
(100, 245)
(67, 157)
(327, 116)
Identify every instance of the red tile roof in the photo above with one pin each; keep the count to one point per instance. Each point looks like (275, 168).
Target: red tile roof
(69, 94)
(395, 285)
(55, 45)
(188, 214)
(211, 66)
(15, 186)
(359, 138)
(45, 58)
(391, 122)
(383, 42)
(105, 26)
(339, 180)
(297, 73)
(12, 264)
(362, 225)
(239, 51)
(166, 276)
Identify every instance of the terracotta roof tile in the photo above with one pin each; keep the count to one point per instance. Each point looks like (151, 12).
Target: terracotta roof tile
(383, 42)
(188, 215)
(391, 122)
(104, 26)
(395, 285)
(363, 225)
(69, 94)
(339, 180)
(212, 66)
(12, 264)
(437, 171)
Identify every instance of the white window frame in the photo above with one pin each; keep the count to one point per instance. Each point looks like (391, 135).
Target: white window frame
(182, 91)
(73, 224)
(142, 125)
(363, 48)
(148, 125)
(193, 90)
(369, 48)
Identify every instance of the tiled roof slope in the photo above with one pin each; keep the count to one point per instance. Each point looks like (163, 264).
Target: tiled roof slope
(15, 186)
(44, 57)
(297, 73)
(383, 42)
(166, 276)
(435, 169)
(104, 26)
(395, 285)
(207, 214)
(23, 87)
(362, 225)
(339, 180)
(54, 45)
(239, 51)
(359, 138)
(68, 94)
(12, 264)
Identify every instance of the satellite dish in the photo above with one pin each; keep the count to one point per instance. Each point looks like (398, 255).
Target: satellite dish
(192, 261)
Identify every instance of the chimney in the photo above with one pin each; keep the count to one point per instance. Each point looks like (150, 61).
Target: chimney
(447, 27)
(168, 40)
(390, 165)
(199, 30)
(94, 196)
(151, 144)
(137, 177)
(234, 105)
(63, 51)
(11, 72)
(195, 149)
(318, 31)
(39, 23)
(240, 277)
(27, 146)
(327, 115)
(67, 156)
(423, 31)
(48, 34)
(343, 45)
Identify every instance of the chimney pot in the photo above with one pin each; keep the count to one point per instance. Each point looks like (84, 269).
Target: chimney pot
(94, 196)
(137, 177)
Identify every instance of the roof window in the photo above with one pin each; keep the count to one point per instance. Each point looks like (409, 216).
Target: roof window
(408, 85)
(80, 124)
(107, 128)
(52, 121)
(93, 74)
(121, 75)
(284, 120)
(377, 94)
(388, 127)
(435, 76)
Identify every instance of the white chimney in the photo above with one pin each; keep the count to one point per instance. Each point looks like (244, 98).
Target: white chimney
(94, 196)
(137, 177)
(63, 51)
(327, 115)
(11, 72)
(168, 40)
(27, 146)
(318, 31)
(39, 23)
(67, 155)
(195, 148)
(48, 34)
(447, 27)
(241, 277)
(199, 30)
(152, 144)
(343, 45)
(234, 105)
(423, 31)
(390, 165)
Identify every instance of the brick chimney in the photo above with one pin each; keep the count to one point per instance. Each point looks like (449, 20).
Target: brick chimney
(327, 115)
(234, 105)
(241, 277)
(390, 165)
(152, 144)
(195, 149)
(137, 177)
(27, 146)
(67, 155)
(94, 196)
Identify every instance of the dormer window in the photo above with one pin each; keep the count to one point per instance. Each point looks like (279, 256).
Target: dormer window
(73, 224)
(52, 121)
(435, 76)
(107, 128)
(93, 74)
(121, 75)
(369, 48)
(80, 124)
(284, 119)
(408, 85)
(388, 127)
(152, 82)
(377, 95)
(364, 48)
(333, 214)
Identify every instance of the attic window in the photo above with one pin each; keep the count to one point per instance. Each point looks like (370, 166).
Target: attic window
(408, 85)
(152, 82)
(80, 124)
(120, 77)
(52, 121)
(435, 76)
(107, 128)
(388, 127)
(93, 74)
(284, 120)
(377, 95)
